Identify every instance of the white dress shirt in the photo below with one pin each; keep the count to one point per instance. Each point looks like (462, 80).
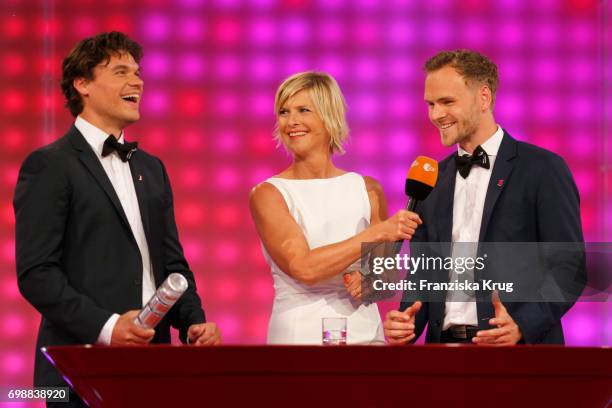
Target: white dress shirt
(120, 176)
(470, 194)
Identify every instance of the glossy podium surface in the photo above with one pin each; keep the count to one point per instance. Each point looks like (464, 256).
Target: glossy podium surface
(410, 376)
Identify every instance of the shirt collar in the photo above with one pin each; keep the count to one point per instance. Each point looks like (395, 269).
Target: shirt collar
(491, 146)
(94, 135)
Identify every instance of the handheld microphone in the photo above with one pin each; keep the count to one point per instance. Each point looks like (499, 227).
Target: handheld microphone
(164, 298)
(420, 181)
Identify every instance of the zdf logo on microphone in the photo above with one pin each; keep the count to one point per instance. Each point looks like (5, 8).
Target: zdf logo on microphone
(428, 167)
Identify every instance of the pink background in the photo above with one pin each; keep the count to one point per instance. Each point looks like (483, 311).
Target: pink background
(211, 69)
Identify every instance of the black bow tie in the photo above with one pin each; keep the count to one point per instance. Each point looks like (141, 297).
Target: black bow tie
(124, 150)
(466, 161)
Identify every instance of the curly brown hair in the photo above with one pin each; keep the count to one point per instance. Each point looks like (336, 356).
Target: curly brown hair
(472, 65)
(86, 55)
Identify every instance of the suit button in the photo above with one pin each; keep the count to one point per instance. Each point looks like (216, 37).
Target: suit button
(137, 282)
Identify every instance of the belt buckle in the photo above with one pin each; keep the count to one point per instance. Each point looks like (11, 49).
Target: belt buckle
(459, 331)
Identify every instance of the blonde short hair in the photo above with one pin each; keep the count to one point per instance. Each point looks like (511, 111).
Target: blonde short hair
(328, 100)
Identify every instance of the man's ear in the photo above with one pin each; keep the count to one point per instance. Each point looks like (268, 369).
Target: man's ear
(485, 97)
(81, 85)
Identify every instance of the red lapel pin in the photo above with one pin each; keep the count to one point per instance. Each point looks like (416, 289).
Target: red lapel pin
(500, 183)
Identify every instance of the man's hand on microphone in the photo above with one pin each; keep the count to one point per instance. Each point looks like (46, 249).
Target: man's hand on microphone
(129, 333)
(399, 326)
(204, 334)
(402, 225)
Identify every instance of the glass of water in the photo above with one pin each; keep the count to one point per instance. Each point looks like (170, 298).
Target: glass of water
(334, 331)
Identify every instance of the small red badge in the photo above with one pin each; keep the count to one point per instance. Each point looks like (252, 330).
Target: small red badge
(500, 183)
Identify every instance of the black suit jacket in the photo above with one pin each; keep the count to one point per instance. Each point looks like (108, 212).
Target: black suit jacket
(77, 259)
(537, 202)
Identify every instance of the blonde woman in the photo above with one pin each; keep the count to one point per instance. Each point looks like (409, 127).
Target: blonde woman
(313, 216)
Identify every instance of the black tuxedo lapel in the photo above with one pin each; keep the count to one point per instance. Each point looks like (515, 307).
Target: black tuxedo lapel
(92, 163)
(446, 198)
(499, 178)
(444, 225)
(140, 183)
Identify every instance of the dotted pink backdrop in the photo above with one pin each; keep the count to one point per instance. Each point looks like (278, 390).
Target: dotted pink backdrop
(211, 69)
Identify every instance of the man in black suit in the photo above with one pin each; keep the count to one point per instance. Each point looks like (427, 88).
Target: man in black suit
(95, 229)
(494, 189)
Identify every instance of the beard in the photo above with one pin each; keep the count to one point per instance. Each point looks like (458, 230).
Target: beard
(467, 130)
(464, 129)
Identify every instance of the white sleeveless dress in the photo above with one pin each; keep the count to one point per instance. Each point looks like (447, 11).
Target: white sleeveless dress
(328, 211)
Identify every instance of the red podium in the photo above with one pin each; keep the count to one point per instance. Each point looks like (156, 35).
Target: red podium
(352, 376)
